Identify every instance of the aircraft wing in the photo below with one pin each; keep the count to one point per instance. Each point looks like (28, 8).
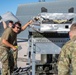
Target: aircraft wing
(9, 16)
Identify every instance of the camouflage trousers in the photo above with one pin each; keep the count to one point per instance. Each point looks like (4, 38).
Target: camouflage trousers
(8, 60)
(15, 56)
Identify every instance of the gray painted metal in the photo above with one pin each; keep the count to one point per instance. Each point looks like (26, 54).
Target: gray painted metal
(9, 16)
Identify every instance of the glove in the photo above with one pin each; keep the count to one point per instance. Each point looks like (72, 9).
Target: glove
(36, 18)
(0, 19)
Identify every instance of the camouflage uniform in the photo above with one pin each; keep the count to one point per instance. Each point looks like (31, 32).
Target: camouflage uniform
(6, 55)
(15, 56)
(67, 58)
(15, 53)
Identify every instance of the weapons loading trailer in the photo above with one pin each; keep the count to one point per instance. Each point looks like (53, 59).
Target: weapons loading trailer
(46, 37)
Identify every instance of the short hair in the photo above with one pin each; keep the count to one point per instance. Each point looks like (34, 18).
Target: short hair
(10, 21)
(18, 23)
(73, 27)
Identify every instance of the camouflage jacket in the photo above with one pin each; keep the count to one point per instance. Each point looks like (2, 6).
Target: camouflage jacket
(67, 58)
